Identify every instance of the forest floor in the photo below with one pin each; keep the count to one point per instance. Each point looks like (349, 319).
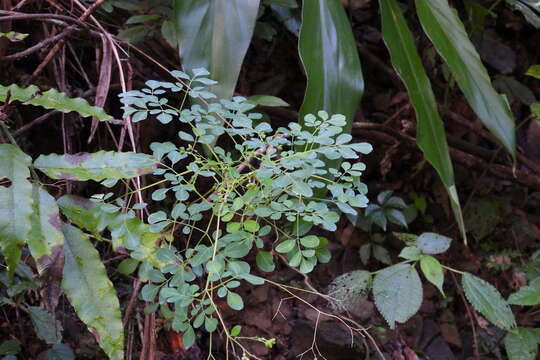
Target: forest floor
(500, 198)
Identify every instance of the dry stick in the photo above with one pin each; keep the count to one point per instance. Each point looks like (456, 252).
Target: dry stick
(35, 48)
(132, 299)
(61, 43)
(127, 121)
(468, 160)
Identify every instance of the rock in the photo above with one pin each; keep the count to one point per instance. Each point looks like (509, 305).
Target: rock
(439, 350)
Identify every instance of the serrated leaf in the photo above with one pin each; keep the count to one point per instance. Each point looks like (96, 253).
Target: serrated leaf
(528, 295)
(15, 203)
(96, 166)
(52, 99)
(432, 270)
(432, 243)
(91, 292)
(349, 290)
(46, 326)
(46, 233)
(488, 301)
(521, 344)
(397, 291)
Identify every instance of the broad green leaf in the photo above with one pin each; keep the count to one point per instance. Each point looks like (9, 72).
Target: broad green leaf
(215, 35)
(397, 291)
(10, 347)
(528, 295)
(330, 57)
(96, 166)
(267, 100)
(46, 235)
(51, 99)
(433, 243)
(47, 328)
(521, 344)
(432, 270)
(448, 35)
(488, 301)
(91, 293)
(60, 352)
(15, 203)
(410, 253)
(83, 213)
(349, 289)
(430, 134)
(534, 70)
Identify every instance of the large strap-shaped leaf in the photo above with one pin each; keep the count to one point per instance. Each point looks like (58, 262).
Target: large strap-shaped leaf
(430, 135)
(328, 52)
(215, 35)
(96, 166)
(46, 235)
(51, 99)
(15, 202)
(91, 292)
(530, 10)
(449, 37)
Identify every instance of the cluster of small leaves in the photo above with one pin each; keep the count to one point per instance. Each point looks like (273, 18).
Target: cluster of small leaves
(387, 209)
(268, 179)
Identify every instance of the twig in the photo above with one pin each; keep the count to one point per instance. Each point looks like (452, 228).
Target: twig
(60, 44)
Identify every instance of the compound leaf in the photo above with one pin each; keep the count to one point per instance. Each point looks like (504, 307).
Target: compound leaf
(488, 301)
(15, 203)
(91, 292)
(397, 291)
(96, 166)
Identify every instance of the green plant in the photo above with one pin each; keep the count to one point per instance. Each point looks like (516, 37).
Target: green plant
(30, 216)
(255, 195)
(231, 202)
(397, 289)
